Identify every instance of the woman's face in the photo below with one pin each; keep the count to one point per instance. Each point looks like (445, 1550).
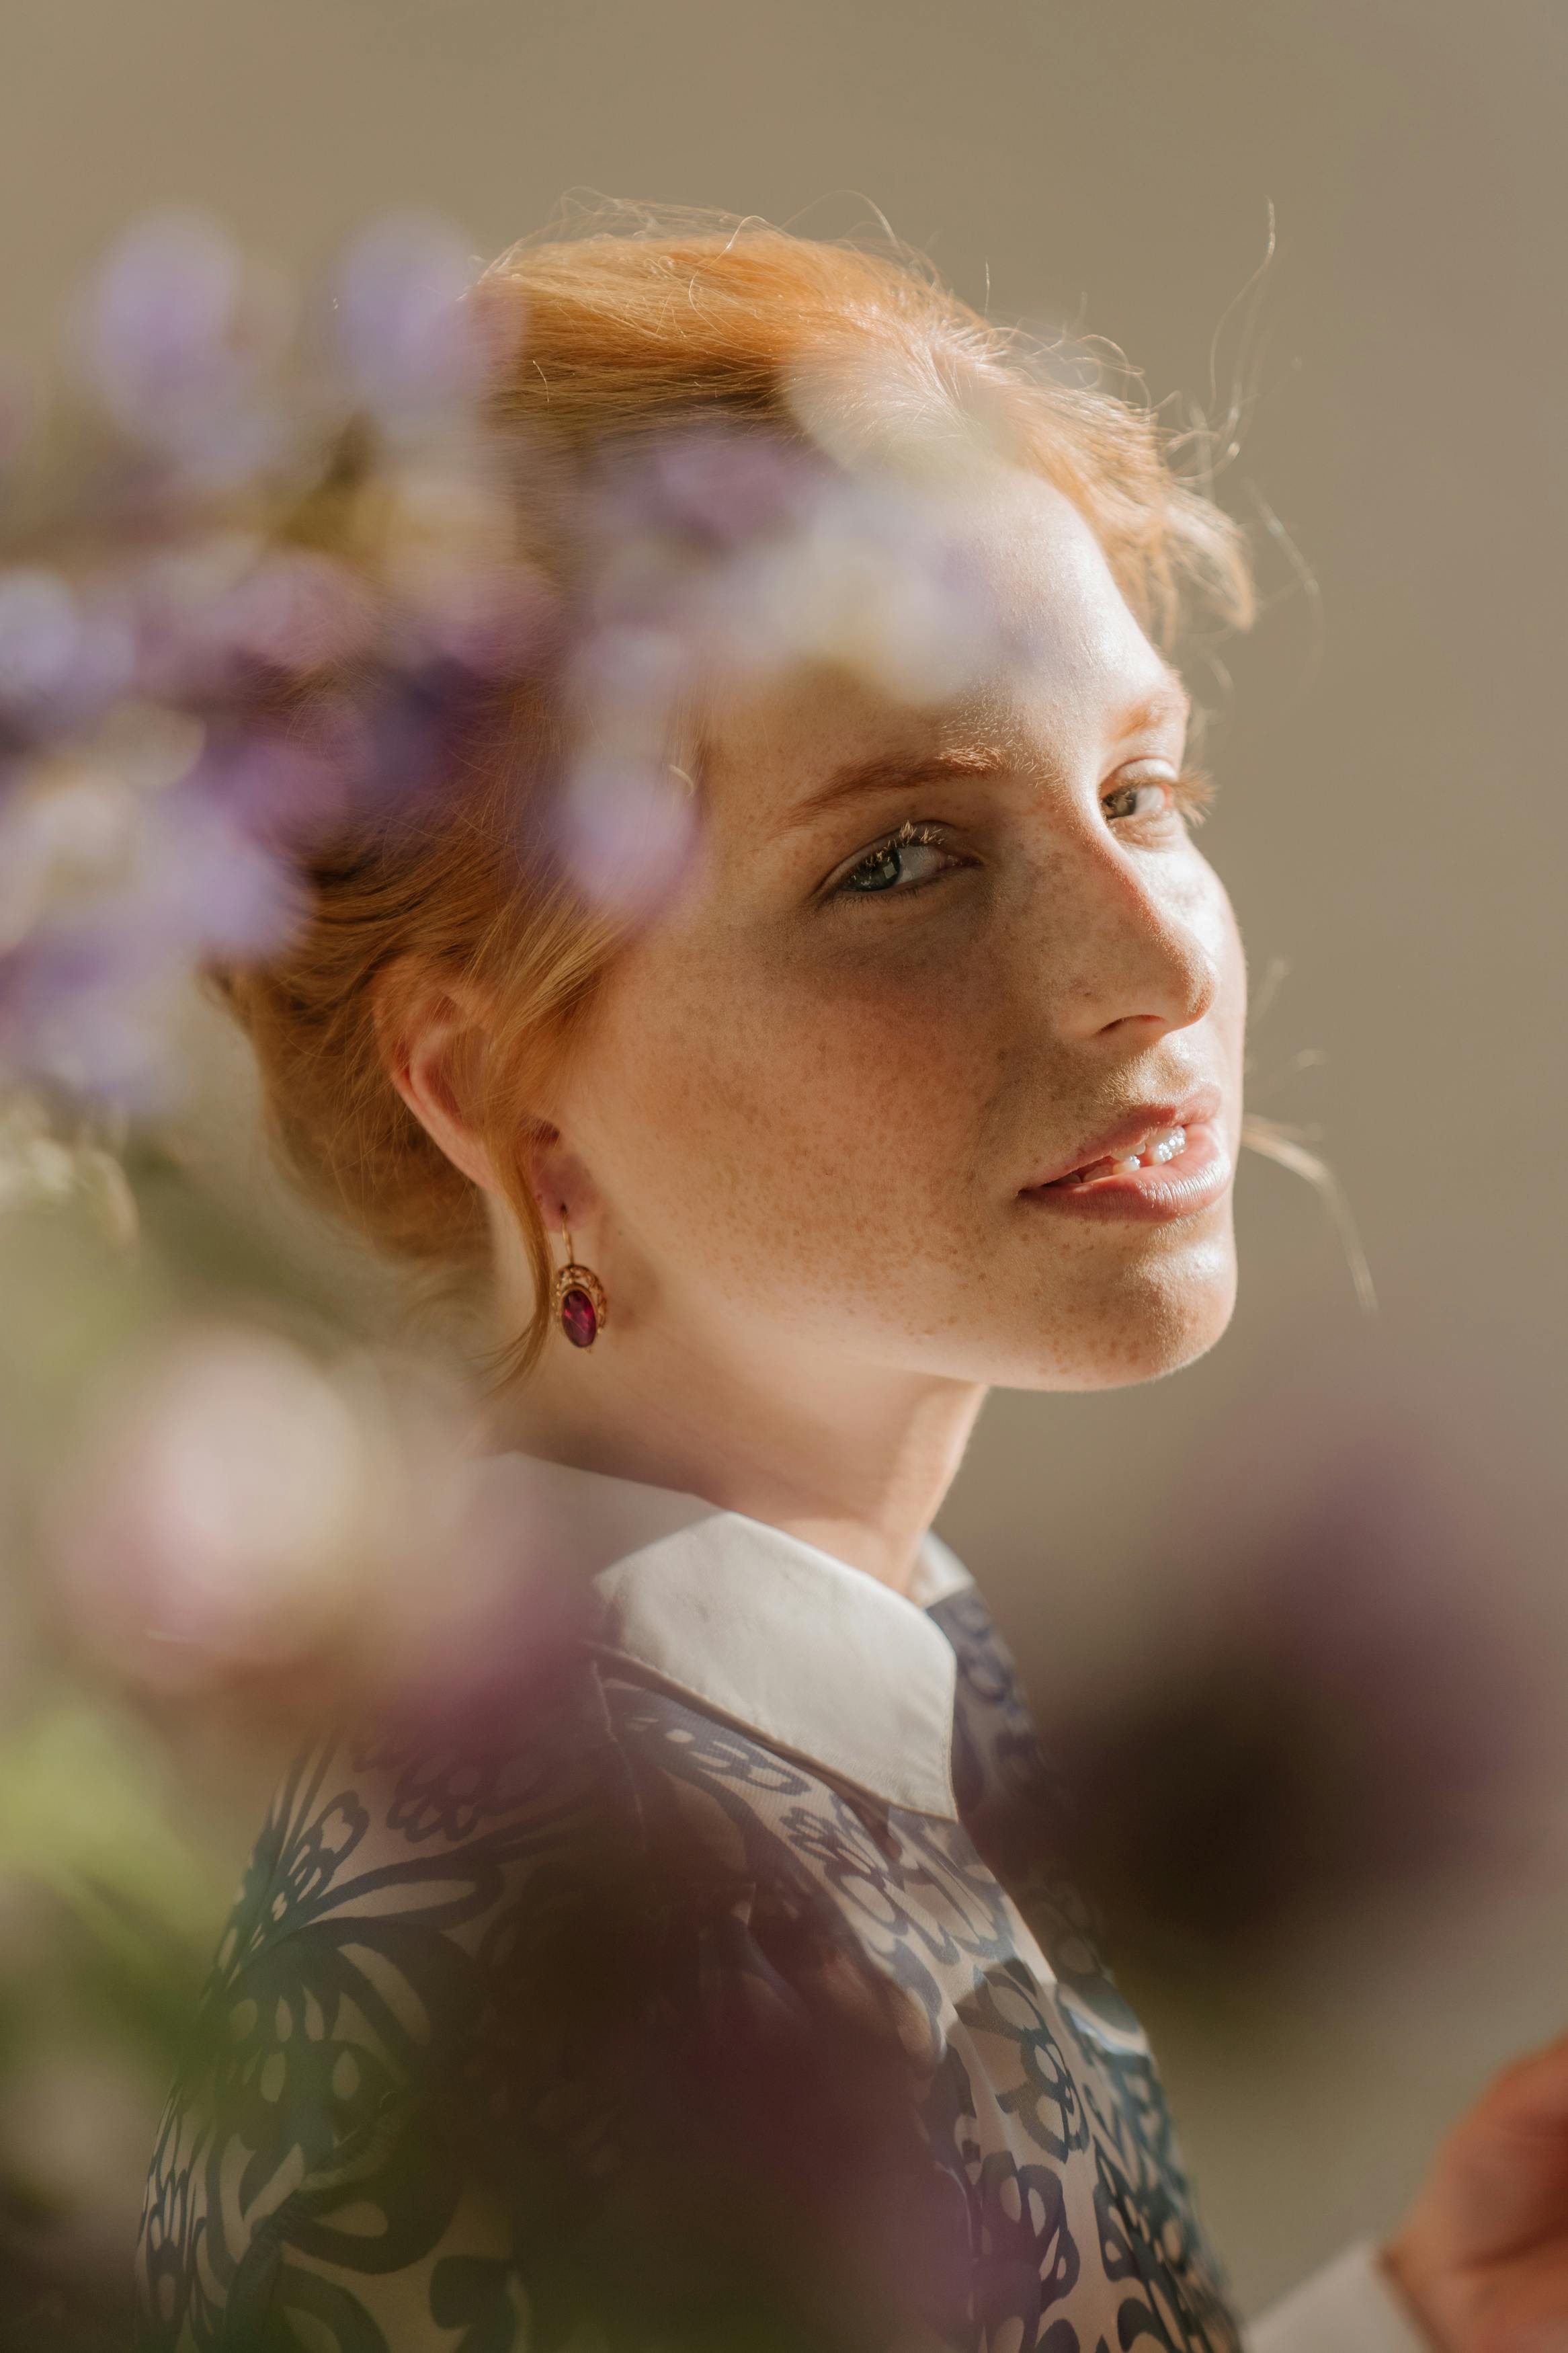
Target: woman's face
(936, 1061)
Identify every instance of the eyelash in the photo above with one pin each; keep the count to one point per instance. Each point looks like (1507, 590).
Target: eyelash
(909, 836)
(1192, 796)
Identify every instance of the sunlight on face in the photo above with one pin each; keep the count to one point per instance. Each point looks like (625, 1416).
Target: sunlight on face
(936, 1062)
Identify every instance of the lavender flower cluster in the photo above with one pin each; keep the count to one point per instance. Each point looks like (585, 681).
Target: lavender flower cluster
(236, 513)
(275, 566)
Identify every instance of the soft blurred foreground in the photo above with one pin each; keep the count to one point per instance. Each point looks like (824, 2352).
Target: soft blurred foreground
(255, 575)
(230, 1513)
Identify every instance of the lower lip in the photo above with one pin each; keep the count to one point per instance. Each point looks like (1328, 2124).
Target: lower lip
(1196, 1179)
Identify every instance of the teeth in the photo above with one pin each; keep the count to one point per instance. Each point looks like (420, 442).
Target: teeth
(1164, 1147)
(1152, 1153)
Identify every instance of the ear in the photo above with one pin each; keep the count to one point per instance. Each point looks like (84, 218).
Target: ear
(561, 1184)
(436, 1035)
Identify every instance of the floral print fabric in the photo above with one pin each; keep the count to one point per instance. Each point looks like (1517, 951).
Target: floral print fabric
(589, 2041)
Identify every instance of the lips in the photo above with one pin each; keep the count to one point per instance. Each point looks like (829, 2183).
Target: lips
(1160, 1161)
(1127, 1139)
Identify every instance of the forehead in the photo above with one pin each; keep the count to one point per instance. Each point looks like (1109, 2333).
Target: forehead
(1060, 661)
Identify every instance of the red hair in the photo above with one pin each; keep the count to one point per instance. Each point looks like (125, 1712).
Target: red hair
(621, 332)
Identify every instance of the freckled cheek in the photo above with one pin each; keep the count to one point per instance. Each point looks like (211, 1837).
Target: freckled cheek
(753, 1086)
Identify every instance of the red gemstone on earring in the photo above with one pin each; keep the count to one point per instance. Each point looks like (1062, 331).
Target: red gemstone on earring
(579, 1318)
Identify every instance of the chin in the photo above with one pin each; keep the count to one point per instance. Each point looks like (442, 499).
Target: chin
(1150, 1323)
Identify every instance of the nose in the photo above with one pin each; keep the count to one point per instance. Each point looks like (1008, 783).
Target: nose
(1136, 957)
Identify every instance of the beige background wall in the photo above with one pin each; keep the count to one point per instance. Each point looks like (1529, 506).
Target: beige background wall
(1394, 810)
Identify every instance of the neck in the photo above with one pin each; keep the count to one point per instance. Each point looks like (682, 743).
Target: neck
(845, 1455)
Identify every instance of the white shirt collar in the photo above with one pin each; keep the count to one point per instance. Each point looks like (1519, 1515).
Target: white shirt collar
(819, 1659)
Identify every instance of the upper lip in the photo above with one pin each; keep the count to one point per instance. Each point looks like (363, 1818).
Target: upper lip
(1130, 1131)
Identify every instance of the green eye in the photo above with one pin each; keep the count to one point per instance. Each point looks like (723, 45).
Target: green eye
(1140, 798)
(906, 863)
(1149, 797)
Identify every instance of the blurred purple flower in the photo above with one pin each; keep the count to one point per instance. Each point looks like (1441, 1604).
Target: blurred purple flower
(80, 1010)
(39, 632)
(229, 664)
(268, 788)
(223, 670)
(63, 657)
(412, 352)
(491, 620)
(305, 1536)
(172, 335)
(120, 894)
(1365, 1718)
(219, 889)
(757, 556)
(220, 617)
(633, 671)
(874, 578)
(295, 611)
(720, 486)
(399, 736)
(626, 832)
(725, 555)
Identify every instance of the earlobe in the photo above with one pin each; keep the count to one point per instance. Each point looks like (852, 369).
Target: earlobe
(436, 1039)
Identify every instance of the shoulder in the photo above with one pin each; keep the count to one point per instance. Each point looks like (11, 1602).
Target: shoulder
(309, 2148)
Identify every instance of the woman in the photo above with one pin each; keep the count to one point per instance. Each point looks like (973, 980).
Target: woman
(801, 1004)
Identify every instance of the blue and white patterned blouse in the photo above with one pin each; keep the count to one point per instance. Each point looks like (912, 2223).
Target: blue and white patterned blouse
(471, 2078)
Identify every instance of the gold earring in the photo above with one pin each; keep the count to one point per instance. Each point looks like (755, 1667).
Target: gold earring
(581, 1308)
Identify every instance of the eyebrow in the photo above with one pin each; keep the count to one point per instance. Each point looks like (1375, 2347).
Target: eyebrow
(862, 779)
(1169, 701)
(954, 763)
